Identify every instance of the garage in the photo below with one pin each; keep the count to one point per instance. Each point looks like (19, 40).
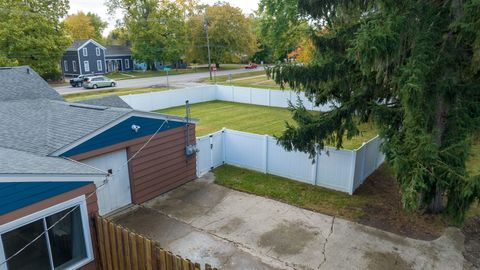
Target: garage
(154, 146)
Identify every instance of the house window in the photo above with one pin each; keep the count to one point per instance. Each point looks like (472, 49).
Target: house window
(85, 52)
(97, 51)
(66, 245)
(65, 65)
(127, 64)
(99, 65)
(74, 64)
(86, 66)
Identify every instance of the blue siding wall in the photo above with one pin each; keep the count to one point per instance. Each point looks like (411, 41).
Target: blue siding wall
(92, 58)
(121, 58)
(123, 132)
(70, 57)
(21, 194)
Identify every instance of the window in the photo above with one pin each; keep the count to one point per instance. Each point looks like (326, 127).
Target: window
(85, 52)
(99, 65)
(86, 66)
(65, 65)
(66, 245)
(74, 64)
(127, 64)
(97, 50)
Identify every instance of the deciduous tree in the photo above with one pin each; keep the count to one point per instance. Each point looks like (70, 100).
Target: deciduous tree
(410, 66)
(31, 33)
(230, 33)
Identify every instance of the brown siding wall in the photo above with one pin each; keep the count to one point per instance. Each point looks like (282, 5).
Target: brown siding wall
(162, 165)
(92, 208)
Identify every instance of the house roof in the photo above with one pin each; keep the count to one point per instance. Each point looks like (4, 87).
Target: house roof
(14, 162)
(109, 101)
(23, 83)
(117, 50)
(78, 43)
(42, 126)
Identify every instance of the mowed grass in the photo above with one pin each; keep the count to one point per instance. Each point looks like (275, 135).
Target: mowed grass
(292, 192)
(216, 115)
(255, 79)
(108, 92)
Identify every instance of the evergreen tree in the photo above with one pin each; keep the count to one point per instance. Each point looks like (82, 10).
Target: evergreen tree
(411, 67)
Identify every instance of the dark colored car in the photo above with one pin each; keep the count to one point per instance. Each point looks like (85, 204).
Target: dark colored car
(78, 81)
(251, 66)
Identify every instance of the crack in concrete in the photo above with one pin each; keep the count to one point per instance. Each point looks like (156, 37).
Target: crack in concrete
(324, 249)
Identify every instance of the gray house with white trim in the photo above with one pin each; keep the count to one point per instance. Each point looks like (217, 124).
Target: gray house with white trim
(86, 56)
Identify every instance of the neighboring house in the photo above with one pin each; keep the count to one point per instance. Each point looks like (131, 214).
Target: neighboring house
(55, 154)
(84, 56)
(118, 58)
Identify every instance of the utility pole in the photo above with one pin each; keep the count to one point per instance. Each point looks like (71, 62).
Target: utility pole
(208, 47)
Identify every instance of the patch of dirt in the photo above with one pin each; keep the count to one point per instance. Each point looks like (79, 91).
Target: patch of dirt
(385, 211)
(471, 230)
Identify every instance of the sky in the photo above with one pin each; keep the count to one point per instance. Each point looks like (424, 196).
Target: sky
(98, 7)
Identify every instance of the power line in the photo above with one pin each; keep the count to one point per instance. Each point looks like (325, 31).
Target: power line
(105, 181)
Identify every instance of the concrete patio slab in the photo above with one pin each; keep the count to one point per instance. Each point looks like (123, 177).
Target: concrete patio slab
(234, 230)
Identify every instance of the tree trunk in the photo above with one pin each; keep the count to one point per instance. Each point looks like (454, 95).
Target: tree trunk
(436, 206)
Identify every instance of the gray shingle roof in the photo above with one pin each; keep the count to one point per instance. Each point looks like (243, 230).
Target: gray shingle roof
(77, 44)
(19, 162)
(20, 83)
(42, 126)
(117, 50)
(109, 101)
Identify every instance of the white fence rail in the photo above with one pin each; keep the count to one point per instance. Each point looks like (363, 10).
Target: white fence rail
(341, 169)
(171, 98)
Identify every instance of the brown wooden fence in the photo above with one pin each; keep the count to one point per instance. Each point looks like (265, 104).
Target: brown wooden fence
(122, 249)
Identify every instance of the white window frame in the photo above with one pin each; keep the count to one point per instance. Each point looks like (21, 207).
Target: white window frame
(127, 64)
(85, 52)
(74, 63)
(80, 201)
(99, 65)
(86, 66)
(65, 65)
(97, 51)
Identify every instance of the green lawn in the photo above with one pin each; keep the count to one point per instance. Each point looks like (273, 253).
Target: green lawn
(109, 92)
(215, 115)
(292, 192)
(473, 163)
(255, 79)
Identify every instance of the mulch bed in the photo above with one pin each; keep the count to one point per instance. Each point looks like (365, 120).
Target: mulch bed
(385, 210)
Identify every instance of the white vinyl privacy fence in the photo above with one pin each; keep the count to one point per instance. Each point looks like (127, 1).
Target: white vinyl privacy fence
(338, 169)
(341, 169)
(256, 96)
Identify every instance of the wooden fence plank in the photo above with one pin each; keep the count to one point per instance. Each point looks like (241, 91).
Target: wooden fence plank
(148, 253)
(126, 249)
(113, 244)
(108, 257)
(163, 260)
(101, 242)
(141, 252)
(134, 251)
(120, 245)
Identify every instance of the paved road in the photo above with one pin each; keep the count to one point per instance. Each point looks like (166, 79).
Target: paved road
(182, 80)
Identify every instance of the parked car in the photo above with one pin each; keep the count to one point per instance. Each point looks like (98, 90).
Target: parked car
(251, 66)
(99, 81)
(78, 81)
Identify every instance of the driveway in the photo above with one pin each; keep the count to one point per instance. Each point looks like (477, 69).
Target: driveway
(181, 80)
(228, 229)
